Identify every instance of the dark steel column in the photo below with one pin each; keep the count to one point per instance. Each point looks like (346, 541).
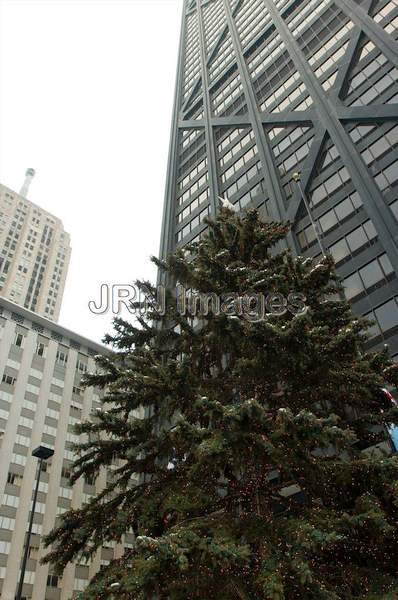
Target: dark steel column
(272, 180)
(307, 170)
(167, 242)
(211, 155)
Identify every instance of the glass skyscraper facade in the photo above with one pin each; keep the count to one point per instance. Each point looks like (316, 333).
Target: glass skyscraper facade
(266, 89)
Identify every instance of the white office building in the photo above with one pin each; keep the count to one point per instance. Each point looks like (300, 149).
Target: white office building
(41, 399)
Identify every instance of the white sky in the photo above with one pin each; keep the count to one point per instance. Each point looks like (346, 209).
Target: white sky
(86, 94)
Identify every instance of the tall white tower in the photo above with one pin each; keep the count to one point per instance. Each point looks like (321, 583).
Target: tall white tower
(30, 173)
(34, 253)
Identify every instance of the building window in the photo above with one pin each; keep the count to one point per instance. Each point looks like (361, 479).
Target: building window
(29, 577)
(14, 479)
(19, 340)
(9, 500)
(41, 349)
(5, 547)
(8, 379)
(353, 242)
(33, 552)
(65, 473)
(80, 585)
(61, 357)
(7, 523)
(81, 366)
(385, 317)
(52, 581)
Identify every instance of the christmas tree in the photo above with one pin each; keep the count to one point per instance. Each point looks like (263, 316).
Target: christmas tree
(256, 480)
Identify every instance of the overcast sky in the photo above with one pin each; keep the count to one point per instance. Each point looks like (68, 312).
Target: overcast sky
(86, 94)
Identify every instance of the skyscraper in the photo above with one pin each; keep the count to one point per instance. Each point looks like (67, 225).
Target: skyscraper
(268, 89)
(34, 253)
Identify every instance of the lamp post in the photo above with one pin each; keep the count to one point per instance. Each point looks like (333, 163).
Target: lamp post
(43, 454)
(296, 177)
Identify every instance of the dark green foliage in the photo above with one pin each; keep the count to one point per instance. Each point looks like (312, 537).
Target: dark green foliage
(245, 410)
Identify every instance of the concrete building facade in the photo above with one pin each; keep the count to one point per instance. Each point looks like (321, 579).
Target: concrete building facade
(270, 88)
(41, 399)
(34, 255)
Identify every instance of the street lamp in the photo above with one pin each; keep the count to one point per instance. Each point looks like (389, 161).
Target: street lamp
(296, 177)
(42, 453)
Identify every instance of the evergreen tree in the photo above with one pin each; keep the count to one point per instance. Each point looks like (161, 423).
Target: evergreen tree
(253, 479)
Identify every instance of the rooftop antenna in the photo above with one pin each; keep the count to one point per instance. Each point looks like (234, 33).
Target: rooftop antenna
(30, 173)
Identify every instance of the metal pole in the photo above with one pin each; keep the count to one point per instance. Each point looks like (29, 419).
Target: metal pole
(28, 536)
(296, 177)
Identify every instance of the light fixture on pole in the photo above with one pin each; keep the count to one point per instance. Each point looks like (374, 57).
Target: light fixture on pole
(296, 177)
(42, 453)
